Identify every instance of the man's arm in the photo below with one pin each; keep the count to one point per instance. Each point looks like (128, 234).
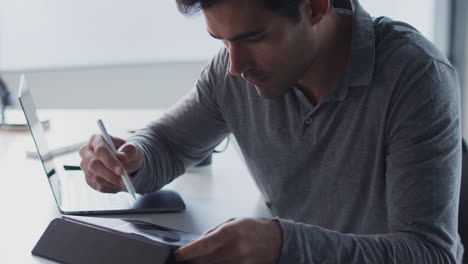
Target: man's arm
(422, 185)
(423, 181)
(184, 136)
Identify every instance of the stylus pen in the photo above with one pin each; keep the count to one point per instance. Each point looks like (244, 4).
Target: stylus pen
(107, 138)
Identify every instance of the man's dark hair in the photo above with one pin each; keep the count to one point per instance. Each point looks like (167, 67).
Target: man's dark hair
(288, 8)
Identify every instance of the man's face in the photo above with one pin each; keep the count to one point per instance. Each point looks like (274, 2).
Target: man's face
(267, 49)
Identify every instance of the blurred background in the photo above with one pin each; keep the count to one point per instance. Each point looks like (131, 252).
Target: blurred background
(144, 54)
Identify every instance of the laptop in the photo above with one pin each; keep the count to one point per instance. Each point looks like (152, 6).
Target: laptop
(71, 192)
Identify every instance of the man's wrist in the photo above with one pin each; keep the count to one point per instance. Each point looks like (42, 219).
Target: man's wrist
(277, 226)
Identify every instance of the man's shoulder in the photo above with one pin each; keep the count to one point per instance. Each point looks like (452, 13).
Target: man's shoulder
(221, 59)
(401, 44)
(403, 55)
(217, 70)
(219, 64)
(408, 66)
(216, 75)
(224, 87)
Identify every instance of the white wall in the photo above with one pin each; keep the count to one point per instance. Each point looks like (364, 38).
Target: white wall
(41, 34)
(38, 34)
(418, 13)
(130, 86)
(430, 17)
(154, 52)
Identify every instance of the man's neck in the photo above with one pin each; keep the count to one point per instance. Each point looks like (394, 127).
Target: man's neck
(335, 34)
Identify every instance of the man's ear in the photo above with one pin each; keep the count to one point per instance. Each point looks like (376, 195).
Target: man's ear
(317, 9)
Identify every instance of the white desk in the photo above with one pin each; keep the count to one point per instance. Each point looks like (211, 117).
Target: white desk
(212, 194)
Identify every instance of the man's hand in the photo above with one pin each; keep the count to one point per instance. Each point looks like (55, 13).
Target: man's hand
(243, 240)
(102, 169)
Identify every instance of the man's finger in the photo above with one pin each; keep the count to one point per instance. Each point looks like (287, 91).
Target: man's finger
(99, 169)
(96, 179)
(216, 227)
(203, 246)
(225, 254)
(105, 155)
(100, 188)
(106, 183)
(86, 152)
(117, 141)
(127, 152)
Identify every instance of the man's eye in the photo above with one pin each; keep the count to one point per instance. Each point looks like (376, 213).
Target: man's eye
(255, 38)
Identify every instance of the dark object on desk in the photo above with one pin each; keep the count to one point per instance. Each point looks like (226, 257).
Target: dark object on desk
(209, 159)
(71, 167)
(463, 207)
(5, 99)
(69, 241)
(160, 199)
(12, 124)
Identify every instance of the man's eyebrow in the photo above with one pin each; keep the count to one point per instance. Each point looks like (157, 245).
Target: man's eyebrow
(240, 36)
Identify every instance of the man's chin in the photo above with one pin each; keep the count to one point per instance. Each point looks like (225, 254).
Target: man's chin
(270, 93)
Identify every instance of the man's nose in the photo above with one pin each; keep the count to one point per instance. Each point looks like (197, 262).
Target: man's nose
(239, 58)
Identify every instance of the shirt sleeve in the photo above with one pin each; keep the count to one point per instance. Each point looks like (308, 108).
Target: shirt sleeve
(423, 171)
(185, 135)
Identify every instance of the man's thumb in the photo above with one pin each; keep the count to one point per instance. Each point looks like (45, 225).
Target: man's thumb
(126, 152)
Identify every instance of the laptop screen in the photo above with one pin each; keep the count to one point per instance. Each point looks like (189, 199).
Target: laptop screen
(39, 137)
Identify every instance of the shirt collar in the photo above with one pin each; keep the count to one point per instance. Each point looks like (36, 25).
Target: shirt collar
(362, 57)
(361, 61)
(360, 69)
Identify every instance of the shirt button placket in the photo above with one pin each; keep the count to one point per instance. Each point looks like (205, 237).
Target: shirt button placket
(306, 125)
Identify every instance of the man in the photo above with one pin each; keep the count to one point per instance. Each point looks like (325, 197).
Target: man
(349, 125)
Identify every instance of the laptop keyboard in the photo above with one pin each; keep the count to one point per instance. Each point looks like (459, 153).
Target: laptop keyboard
(77, 195)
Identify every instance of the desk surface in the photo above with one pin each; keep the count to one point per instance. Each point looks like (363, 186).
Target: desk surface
(212, 194)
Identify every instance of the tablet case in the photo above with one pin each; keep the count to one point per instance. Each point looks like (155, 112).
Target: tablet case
(68, 241)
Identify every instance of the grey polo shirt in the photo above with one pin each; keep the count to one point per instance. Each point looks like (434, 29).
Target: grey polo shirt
(369, 175)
